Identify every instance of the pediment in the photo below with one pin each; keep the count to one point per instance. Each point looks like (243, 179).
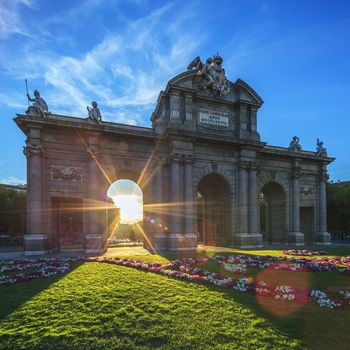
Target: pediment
(239, 91)
(246, 93)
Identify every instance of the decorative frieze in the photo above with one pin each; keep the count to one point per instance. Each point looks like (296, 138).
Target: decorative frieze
(306, 190)
(67, 173)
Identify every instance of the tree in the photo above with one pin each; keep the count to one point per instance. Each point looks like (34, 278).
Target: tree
(338, 207)
(12, 211)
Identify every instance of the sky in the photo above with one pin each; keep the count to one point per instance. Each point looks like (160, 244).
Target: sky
(295, 54)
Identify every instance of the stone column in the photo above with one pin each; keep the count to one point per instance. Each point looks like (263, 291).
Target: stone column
(95, 240)
(253, 208)
(189, 122)
(175, 219)
(323, 237)
(253, 200)
(189, 210)
(243, 239)
(253, 123)
(295, 236)
(243, 196)
(159, 190)
(188, 107)
(243, 116)
(35, 241)
(179, 240)
(159, 238)
(174, 109)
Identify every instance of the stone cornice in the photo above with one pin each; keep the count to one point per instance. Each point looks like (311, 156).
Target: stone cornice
(285, 153)
(58, 121)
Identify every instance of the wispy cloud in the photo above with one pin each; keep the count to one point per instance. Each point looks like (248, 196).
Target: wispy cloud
(123, 72)
(11, 180)
(16, 100)
(11, 21)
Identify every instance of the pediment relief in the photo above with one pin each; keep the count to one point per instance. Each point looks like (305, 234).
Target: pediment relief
(239, 91)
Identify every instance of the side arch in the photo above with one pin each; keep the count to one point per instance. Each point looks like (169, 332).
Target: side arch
(214, 202)
(273, 213)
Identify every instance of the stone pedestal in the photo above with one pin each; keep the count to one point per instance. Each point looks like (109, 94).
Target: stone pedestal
(246, 241)
(35, 244)
(159, 242)
(296, 238)
(95, 244)
(183, 242)
(323, 238)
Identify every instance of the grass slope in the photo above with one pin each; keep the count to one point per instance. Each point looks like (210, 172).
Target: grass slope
(101, 306)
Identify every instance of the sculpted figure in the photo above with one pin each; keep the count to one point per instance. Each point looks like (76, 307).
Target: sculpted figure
(39, 103)
(320, 150)
(213, 74)
(94, 112)
(294, 145)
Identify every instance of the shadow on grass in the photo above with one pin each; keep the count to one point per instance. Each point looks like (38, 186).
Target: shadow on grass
(313, 326)
(13, 296)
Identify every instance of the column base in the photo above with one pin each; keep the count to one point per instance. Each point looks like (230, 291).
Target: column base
(35, 244)
(157, 243)
(95, 244)
(296, 238)
(248, 240)
(182, 241)
(323, 238)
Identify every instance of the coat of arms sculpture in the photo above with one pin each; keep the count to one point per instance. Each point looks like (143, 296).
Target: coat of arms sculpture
(213, 74)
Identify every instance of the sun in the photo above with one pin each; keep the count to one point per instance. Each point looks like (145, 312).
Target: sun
(131, 210)
(127, 196)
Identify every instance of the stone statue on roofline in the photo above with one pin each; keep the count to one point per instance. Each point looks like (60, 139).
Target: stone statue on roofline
(94, 112)
(39, 104)
(294, 145)
(320, 150)
(213, 74)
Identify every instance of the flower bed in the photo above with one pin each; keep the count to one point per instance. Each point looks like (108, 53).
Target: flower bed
(188, 269)
(37, 268)
(303, 252)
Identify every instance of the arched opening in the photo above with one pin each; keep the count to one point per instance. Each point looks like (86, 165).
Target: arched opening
(127, 197)
(273, 223)
(214, 210)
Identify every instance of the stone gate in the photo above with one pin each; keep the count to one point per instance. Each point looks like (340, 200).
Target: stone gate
(202, 164)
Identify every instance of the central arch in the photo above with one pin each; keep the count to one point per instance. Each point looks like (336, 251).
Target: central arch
(127, 197)
(214, 210)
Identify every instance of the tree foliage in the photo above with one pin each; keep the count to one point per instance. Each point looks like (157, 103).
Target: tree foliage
(12, 211)
(338, 207)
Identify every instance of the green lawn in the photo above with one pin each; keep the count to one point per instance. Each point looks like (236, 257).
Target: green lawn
(101, 306)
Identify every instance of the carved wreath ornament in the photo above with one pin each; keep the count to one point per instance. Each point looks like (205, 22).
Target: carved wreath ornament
(66, 173)
(306, 190)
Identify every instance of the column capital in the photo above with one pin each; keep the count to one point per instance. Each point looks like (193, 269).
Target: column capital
(296, 174)
(188, 159)
(33, 149)
(243, 164)
(175, 158)
(159, 162)
(323, 176)
(254, 166)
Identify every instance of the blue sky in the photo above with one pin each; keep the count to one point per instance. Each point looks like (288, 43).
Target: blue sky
(295, 54)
